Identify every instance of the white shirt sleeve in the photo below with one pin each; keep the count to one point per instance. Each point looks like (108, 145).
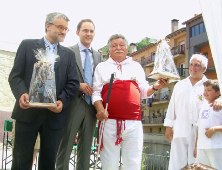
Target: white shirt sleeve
(143, 84)
(170, 115)
(97, 85)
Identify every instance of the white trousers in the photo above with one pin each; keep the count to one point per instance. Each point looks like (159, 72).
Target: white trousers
(210, 157)
(131, 146)
(181, 152)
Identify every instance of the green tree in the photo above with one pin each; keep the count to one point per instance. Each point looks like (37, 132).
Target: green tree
(144, 42)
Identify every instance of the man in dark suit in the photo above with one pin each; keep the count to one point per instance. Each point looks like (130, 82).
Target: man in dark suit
(82, 118)
(49, 122)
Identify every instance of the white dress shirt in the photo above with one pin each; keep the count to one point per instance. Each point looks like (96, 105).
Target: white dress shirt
(184, 106)
(207, 119)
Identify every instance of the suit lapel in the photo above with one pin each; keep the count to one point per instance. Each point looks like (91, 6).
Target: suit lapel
(78, 59)
(40, 44)
(60, 52)
(95, 59)
(95, 56)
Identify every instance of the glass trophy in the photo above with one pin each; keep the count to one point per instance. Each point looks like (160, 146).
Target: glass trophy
(42, 91)
(164, 66)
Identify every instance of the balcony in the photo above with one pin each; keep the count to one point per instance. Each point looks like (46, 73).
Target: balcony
(161, 97)
(153, 119)
(148, 61)
(144, 61)
(151, 60)
(178, 51)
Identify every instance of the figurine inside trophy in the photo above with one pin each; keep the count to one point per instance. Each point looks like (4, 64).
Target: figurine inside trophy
(42, 92)
(164, 66)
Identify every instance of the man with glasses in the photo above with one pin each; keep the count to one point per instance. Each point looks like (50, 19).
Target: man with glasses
(49, 122)
(82, 118)
(182, 113)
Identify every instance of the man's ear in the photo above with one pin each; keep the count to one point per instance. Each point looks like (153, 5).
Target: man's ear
(204, 69)
(77, 32)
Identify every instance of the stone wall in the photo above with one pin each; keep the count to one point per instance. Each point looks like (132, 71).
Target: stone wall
(6, 97)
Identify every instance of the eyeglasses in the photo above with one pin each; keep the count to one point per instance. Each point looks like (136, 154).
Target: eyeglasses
(61, 27)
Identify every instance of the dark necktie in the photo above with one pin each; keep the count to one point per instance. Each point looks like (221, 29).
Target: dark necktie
(87, 73)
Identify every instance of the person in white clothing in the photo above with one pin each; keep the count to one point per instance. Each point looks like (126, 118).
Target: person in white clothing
(123, 127)
(182, 113)
(208, 148)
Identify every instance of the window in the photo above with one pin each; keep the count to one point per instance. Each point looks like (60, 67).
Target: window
(181, 69)
(202, 28)
(153, 56)
(143, 61)
(197, 29)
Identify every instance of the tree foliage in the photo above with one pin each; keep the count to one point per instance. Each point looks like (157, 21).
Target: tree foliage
(144, 42)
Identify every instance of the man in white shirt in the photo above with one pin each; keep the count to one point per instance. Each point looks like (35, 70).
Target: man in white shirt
(182, 113)
(123, 127)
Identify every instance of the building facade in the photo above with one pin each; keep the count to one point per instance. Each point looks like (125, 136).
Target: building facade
(183, 42)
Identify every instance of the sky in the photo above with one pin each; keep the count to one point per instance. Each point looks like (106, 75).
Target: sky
(24, 19)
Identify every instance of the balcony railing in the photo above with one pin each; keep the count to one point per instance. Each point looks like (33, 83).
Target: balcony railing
(178, 50)
(162, 96)
(154, 162)
(147, 60)
(153, 119)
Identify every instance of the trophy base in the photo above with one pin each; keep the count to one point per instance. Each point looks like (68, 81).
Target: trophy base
(42, 105)
(164, 75)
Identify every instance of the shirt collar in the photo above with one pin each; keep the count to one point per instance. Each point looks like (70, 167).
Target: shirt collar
(48, 44)
(82, 47)
(201, 81)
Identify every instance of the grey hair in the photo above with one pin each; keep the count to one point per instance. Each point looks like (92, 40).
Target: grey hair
(202, 58)
(51, 17)
(116, 36)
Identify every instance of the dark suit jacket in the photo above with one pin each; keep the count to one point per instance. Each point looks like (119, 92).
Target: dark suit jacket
(67, 82)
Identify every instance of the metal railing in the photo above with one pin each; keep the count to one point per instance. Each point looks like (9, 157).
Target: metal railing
(154, 162)
(178, 50)
(153, 119)
(147, 60)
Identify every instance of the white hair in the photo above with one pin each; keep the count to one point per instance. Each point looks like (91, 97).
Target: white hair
(202, 58)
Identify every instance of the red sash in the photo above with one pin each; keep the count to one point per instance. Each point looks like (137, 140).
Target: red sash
(124, 101)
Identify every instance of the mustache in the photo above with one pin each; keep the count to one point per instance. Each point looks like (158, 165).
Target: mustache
(119, 51)
(59, 33)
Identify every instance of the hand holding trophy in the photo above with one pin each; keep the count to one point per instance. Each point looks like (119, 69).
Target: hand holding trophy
(164, 66)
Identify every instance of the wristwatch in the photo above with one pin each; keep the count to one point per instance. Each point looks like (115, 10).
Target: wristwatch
(154, 88)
